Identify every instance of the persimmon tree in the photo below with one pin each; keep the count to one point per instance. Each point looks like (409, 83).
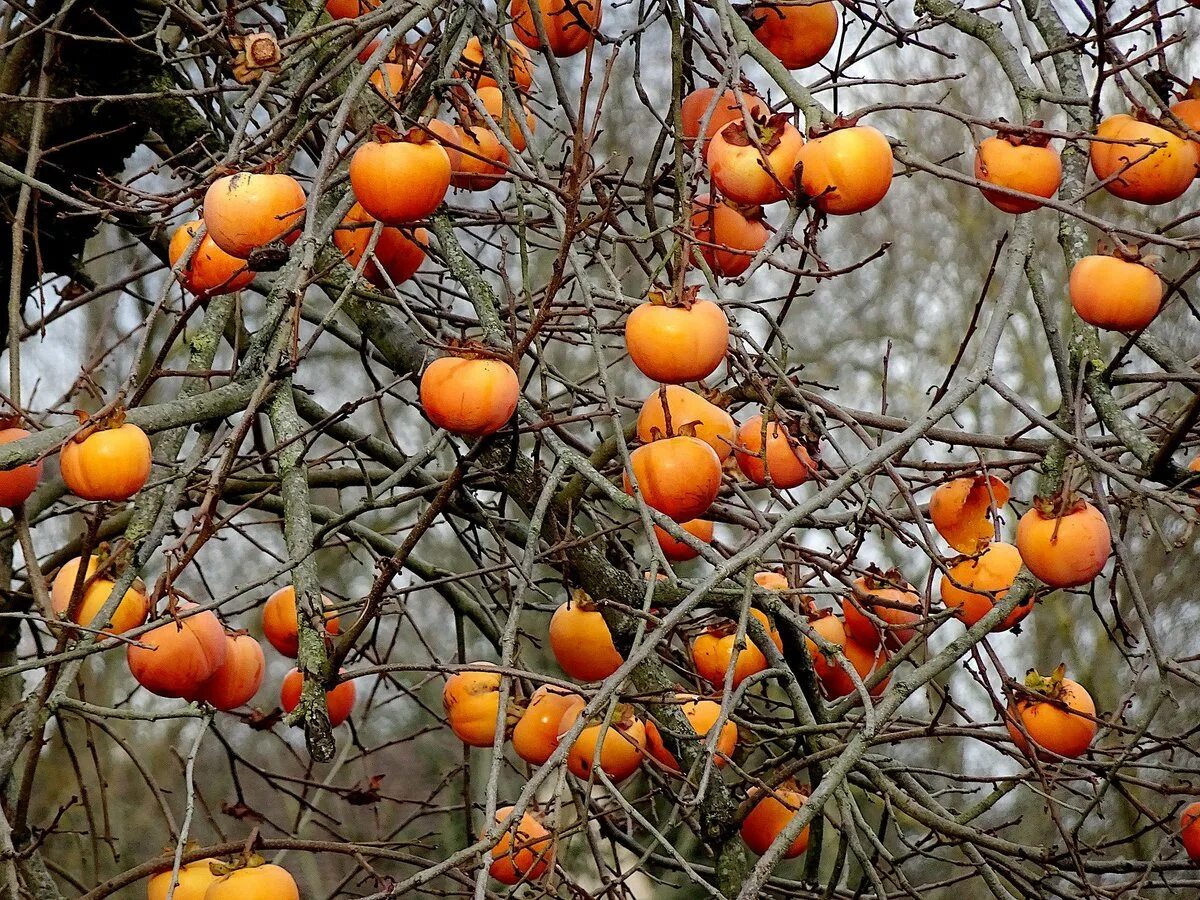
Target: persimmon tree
(578, 448)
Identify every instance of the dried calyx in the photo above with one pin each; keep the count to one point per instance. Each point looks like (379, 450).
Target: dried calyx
(1050, 686)
(1030, 135)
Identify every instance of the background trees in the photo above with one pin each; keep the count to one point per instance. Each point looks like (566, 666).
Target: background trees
(926, 338)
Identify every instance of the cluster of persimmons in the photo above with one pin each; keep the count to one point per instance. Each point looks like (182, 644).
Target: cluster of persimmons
(688, 443)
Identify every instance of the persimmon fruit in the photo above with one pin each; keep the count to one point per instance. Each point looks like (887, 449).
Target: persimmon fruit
(673, 340)
(785, 463)
(1115, 293)
(959, 510)
(249, 210)
(470, 395)
(1064, 546)
(975, 584)
(581, 640)
(1057, 714)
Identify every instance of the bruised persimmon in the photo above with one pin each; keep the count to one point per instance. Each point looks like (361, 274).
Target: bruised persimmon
(1115, 293)
(1020, 163)
(701, 715)
(713, 652)
(959, 510)
(339, 700)
(525, 850)
(685, 407)
(471, 699)
(727, 235)
(1065, 544)
(416, 161)
(250, 210)
(718, 109)
(620, 745)
(581, 641)
(210, 270)
(785, 462)
(799, 34)
(674, 340)
(570, 25)
(1055, 712)
(975, 584)
(280, 625)
(469, 395)
(678, 551)
(396, 255)
(889, 598)
(678, 476)
(1142, 162)
(535, 736)
(770, 815)
(755, 166)
(847, 170)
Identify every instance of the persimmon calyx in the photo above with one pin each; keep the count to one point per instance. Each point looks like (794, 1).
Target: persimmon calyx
(1048, 686)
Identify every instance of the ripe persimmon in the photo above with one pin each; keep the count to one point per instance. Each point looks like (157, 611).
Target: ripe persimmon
(535, 736)
(250, 210)
(674, 340)
(702, 715)
(678, 551)
(621, 746)
(889, 598)
(847, 170)
(799, 34)
(1064, 544)
(679, 476)
(470, 395)
(713, 652)
(210, 270)
(756, 166)
(493, 101)
(581, 641)
(1057, 714)
(786, 462)
(834, 680)
(1142, 162)
(175, 659)
(261, 882)
(280, 625)
(478, 161)
(97, 588)
(339, 700)
(19, 482)
(710, 422)
(975, 584)
(959, 510)
(475, 69)
(1189, 830)
(416, 161)
(1019, 162)
(720, 111)
(193, 881)
(1115, 293)
(471, 699)
(525, 850)
(395, 253)
(239, 677)
(727, 235)
(570, 25)
(108, 461)
(770, 816)
(350, 9)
